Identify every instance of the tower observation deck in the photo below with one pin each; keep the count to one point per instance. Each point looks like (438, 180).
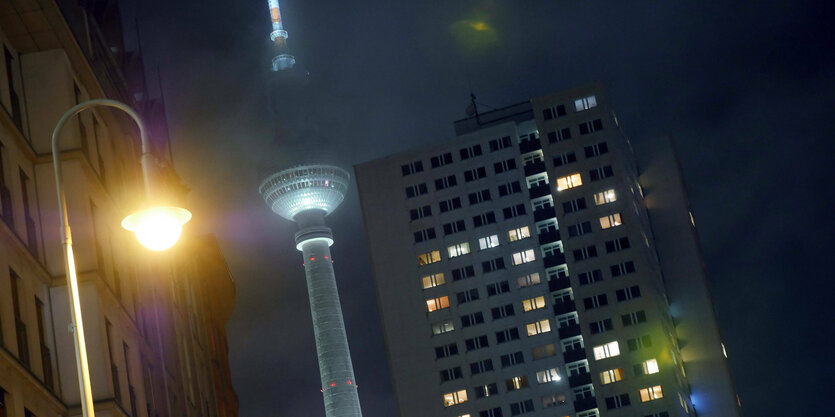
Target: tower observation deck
(306, 194)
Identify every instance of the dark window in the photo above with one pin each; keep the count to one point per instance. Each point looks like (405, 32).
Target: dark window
(505, 165)
(479, 196)
(591, 126)
(627, 267)
(513, 211)
(449, 205)
(441, 160)
(601, 326)
(501, 143)
(584, 253)
(411, 168)
(601, 173)
(472, 319)
(475, 174)
(420, 212)
(593, 302)
(446, 350)
(483, 219)
(590, 277)
(574, 205)
(475, 343)
(559, 135)
(625, 294)
(498, 288)
(463, 272)
(492, 265)
(579, 229)
(511, 359)
(502, 311)
(416, 190)
(596, 149)
(470, 152)
(425, 234)
(510, 188)
(481, 367)
(565, 159)
(482, 391)
(445, 182)
(507, 335)
(451, 374)
(615, 245)
(454, 227)
(553, 112)
(467, 296)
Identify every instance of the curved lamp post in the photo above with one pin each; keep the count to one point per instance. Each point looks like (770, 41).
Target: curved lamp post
(157, 228)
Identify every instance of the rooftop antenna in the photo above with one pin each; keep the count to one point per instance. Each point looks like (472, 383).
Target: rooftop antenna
(472, 109)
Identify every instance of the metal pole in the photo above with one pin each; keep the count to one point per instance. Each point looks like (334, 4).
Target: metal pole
(66, 237)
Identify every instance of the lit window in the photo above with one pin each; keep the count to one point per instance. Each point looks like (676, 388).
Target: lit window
(439, 303)
(433, 280)
(523, 257)
(459, 249)
(443, 327)
(611, 220)
(518, 234)
(429, 257)
(517, 382)
(533, 303)
(612, 375)
(585, 103)
(604, 197)
(650, 366)
(569, 181)
(528, 280)
(539, 327)
(548, 375)
(651, 393)
(488, 242)
(606, 351)
(456, 397)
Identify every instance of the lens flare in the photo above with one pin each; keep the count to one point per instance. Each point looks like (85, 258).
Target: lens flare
(157, 228)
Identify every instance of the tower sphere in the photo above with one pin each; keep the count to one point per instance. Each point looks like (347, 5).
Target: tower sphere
(305, 187)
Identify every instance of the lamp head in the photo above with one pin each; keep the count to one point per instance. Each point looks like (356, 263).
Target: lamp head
(159, 227)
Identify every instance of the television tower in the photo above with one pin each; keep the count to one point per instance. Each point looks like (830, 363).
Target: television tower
(305, 193)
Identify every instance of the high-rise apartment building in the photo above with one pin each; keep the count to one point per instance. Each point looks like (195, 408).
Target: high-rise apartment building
(529, 267)
(154, 323)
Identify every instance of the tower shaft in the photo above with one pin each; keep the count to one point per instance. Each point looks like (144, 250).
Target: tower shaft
(335, 368)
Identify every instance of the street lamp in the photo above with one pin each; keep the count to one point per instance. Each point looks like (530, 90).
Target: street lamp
(157, 228)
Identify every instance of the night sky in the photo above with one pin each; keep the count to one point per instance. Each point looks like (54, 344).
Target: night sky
(746, 90)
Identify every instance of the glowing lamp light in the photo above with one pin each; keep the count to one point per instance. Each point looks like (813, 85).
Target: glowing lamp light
(157, 228)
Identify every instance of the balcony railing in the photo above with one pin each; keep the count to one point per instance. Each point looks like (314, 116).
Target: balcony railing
(539, 191)
(563, 307)
(579, 379)
(529, 146)
(534, 168)
(551, 236)
(553, 260)
(584, 404)
(557, 284)
(574, 355)
(569, 331)
(543, 213)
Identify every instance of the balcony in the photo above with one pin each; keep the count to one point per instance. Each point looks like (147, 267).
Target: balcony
(574, 355)
(551, 236)
(569, 331)
(543, 213)
(534, 168)
(529, 146)
(580, 379)
(558, 284)
(564, 307)
(551, 261)
(584, 404)
(539, 191)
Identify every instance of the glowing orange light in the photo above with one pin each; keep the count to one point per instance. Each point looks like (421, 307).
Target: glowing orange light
(312, 258)
(333, 384)
(349, 382)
